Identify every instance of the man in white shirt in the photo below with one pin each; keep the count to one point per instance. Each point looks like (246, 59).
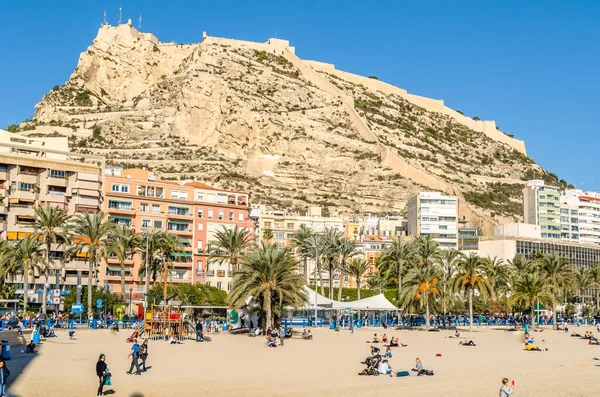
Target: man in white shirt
(384, 368)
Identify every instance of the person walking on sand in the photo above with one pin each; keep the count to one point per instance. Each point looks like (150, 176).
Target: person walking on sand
(101, 371)
(144, 353)
(134, 353)
(506, 390)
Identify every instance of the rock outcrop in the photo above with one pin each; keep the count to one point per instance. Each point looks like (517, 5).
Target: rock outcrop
(254, 116)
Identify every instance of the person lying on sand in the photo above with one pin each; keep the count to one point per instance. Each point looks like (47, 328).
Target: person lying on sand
(469, 343)
(532, 347)
(575, 335)
(394, 342)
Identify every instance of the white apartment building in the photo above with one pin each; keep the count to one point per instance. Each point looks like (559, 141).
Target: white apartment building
(434, 214)
(580, 216)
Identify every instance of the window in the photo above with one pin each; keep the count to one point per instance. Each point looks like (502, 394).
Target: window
(178, 210)
(219, 285)
(221, 214)
(200, 196)
(176, 194)
(241, 217)
(156, 208)
(221, 198)
(115, 188)
(124, 188)
(120, 205)
(267, 224)
(229, 286)
(279, 235)
(139, 288)
(144, 207)
(200, 227)
(57, 174)
(277, 225)
(199, 268)
(118, 188)
(146, 223)
(158, 225)
(200, 245)
(200, 213)
(210, 213)
(26, 186)
(211, 227)
(231, 214)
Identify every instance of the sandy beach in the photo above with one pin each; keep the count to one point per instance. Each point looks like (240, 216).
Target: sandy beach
(327, 366)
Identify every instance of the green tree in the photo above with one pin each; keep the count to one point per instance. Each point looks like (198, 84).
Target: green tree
(170, 246)
(122, 243)
(151, 250)
(470, 277)
(530, 288)
(594, 277)
(30, 255)
(50, 226)
(268, 274)
(229, 245)
(268, 235)
(559, 274)
(300, 243)
(333, 239)
(448, 260)
(90, 238)
(316, 247)
(427, 251)
(357, 268)
(395, 258)
(497, 273)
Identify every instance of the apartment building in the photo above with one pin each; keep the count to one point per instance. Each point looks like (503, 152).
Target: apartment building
(580, 216)
(526, 239)
(390, 226)
(136, 198)
(215, 209)
(42, 171)
(541, 206)
(434, 214)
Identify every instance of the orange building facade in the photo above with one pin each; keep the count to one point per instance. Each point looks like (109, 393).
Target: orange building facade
(135, 198)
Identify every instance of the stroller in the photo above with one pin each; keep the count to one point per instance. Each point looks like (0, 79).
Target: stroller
(132, 337)
(372, 364)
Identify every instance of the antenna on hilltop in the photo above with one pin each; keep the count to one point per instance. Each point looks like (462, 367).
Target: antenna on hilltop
(104, 23)
(140, 22)
(120, 15)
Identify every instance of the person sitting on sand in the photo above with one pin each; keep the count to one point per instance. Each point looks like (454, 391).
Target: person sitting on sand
(505, 390)
(71, 335)
(375, 351)
(385, 326)
(418, 366)
(384, 368)
(271, 341)
(31, 347)
(469, 343)
(395, 342)
(384, 338)
(375, 339)
(388, 353)
(310, 336)
(457, 334)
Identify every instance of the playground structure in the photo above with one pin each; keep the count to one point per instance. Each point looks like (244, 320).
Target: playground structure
(166, 321)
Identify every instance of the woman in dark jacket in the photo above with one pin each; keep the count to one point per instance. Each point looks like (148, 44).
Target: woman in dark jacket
(101, 371)
(4, 373)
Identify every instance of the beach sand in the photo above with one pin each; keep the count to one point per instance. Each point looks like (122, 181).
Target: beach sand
(327, 366)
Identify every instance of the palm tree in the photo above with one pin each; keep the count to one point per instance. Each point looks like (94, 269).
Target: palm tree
(90, 237)
(377, 282)
(346, 249)
(497, 274)
(268, 274)
(427, 251)
(122, 242)
(421, 288)
(357, 268)
(229, 245)
(268, 235)
(315, 249)
(470, 277)
(448, 260)
(530, 288)
(30, 255)
(149, 247)
(584, 281)
(520, 263)
(559, 274)
(594, 275)
(394, 258)
(333, 240)
(8, 266)
(50, 225)
(169, 245)
(300, 242)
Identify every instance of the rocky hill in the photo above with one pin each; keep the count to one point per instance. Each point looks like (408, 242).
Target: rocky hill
(255, 117)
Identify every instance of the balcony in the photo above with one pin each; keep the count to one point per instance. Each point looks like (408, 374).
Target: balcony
(86, 201)
(29, 194)
(115, 261)
(22, 210)
(179, 215)
(62, 182)
(27, 178)
(121, 210)
(229, 273)
(210, 273)
(220, 273)
(89, 185)
(3, 174)
(77, 264)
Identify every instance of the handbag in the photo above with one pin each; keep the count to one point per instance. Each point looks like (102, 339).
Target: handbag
(107, 381)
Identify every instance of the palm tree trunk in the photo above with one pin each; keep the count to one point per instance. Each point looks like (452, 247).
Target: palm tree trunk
(532, 313)
(123, 279)
(399, 271)
(268, 314)
(89, 291)
(44, 292)
(553, 316)
(358, 288)
(25, 286)
(597, 299)
(331, 281)
(470, 309)
(320, 278)
(426, 311)
(340, 287)
(305, 262)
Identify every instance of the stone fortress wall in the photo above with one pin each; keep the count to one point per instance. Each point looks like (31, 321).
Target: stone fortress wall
(433, 105)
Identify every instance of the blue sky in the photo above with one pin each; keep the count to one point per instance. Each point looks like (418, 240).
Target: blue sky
(533, 66)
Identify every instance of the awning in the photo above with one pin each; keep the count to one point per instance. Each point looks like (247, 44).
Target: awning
(88, 177)
(20, 201)
(87, 192)
(181, 208)
(179, 223)
(114, 268)
(182, 254)
(25, 217)
(185, 240)
(120, 218)
(120, 201)
(17, 235)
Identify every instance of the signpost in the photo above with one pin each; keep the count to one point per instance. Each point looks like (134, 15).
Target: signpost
(77, 308)
(56, 296)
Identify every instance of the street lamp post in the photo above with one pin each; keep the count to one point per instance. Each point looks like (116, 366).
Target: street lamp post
(130, 301)
(147, 275)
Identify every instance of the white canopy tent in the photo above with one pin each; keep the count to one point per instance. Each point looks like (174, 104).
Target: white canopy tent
(377, 302)
(321, 300)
